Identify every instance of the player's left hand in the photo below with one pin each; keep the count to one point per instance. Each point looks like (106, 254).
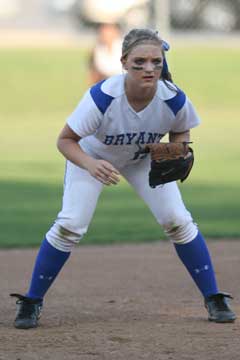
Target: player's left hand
(169, 162)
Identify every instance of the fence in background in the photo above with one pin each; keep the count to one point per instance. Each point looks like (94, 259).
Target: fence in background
(219, 16)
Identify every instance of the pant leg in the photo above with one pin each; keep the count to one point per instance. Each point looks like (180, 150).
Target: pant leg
(165, 202)
(168, 208)
(81, 193)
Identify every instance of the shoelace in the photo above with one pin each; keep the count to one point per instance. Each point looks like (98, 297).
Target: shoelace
(27, 305)
(220, 302)
(26, 309)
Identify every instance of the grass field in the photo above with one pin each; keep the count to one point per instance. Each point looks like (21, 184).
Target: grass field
(41, 87)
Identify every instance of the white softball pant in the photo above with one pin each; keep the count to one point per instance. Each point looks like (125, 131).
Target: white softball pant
(81, 192)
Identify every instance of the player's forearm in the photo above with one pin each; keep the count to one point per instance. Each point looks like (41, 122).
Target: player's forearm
(179, 137)
(72, 151)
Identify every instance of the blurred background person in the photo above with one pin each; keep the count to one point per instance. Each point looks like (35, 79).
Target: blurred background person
(104, 57)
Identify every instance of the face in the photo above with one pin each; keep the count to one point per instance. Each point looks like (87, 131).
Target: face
(144, 65)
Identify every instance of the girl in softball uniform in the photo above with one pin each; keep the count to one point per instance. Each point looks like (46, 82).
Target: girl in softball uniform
(101, 141)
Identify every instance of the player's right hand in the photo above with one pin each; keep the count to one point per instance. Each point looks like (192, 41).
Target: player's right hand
(103, 171)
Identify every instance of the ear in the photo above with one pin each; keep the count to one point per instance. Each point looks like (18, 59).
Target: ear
(124, 63)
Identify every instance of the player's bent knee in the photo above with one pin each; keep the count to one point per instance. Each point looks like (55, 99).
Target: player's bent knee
(181, 233)
(64, 239)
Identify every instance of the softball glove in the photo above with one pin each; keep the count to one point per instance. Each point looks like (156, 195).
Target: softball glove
(169, 162)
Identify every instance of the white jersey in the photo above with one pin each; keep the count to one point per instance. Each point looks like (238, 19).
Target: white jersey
(112, 130)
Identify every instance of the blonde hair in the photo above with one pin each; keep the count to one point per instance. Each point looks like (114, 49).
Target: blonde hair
(139, 36)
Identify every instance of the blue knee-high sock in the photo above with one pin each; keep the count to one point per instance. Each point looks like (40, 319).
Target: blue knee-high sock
(196, 258)
(48, 264)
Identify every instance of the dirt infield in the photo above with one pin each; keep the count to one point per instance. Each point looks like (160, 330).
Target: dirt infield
(121, 302)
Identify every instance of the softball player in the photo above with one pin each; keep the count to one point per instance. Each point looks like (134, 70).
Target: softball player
(100, 141)
(104, 57)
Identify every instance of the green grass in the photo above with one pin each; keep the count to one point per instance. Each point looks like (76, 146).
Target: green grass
(120, 216)
(40, 88)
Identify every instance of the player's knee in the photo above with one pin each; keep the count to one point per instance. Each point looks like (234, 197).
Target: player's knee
(62, 238)
(181, 232)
